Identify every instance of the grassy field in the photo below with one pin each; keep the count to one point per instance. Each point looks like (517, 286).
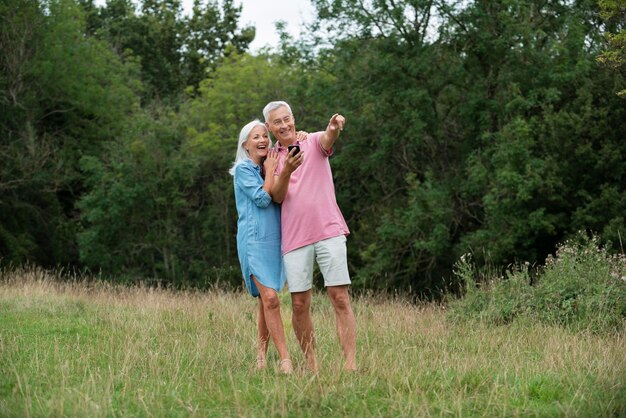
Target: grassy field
(88, 349)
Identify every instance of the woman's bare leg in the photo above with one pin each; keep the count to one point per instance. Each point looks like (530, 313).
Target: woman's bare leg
(263, 338)
(274, 323)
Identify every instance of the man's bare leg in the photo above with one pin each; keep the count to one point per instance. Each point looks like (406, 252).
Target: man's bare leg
(303, 326)
(345, 322)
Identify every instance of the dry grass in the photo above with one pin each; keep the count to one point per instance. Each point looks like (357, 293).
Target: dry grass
(91, 349)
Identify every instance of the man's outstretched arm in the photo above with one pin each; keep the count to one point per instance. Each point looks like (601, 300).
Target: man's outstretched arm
(330, 135)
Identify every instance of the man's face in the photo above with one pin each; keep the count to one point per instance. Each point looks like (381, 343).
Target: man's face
(282, 125)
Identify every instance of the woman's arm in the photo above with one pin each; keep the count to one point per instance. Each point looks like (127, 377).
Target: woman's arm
(249, 182)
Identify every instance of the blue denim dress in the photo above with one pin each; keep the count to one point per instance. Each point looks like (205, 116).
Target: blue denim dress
(258, 230)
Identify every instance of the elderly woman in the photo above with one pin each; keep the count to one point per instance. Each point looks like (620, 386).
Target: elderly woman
(258, 234)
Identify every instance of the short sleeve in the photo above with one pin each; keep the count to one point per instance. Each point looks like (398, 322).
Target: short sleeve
(316, 137)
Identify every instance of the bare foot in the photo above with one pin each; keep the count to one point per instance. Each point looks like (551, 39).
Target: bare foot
(261, 363)
(350, 369)
(350, 366)
(285, 366)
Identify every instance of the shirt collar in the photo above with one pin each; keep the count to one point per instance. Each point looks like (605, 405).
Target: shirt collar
(279, 147)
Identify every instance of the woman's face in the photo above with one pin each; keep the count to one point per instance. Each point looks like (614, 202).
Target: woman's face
(257, 144)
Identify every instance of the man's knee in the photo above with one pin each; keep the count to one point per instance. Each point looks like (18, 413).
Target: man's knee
(300, 304)
(340, 298)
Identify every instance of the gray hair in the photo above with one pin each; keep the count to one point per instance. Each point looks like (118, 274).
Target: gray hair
(272, 106)
(242, 154)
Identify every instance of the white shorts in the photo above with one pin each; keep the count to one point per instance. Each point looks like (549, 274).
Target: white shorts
(332, 259)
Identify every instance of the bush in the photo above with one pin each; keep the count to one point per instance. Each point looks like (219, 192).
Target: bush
(582, 287)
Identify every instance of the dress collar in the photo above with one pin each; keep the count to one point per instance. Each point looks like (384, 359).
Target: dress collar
(253, 164)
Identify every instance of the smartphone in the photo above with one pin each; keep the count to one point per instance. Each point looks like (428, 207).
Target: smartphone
(290, 147)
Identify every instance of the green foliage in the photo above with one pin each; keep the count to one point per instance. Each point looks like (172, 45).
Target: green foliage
(482, 126)
(614, 14)
(174, 51)
(582, 287)
(132, 210)
(412, 238)
(500, 114)
(61, 96)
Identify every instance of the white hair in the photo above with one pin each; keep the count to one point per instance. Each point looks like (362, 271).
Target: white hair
(272, 106)
(242, 154)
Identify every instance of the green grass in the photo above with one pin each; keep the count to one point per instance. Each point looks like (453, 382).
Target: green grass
(81, 349)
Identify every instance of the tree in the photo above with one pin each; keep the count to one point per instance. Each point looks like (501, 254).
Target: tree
(213, 33)
(614, 14)
(486, 120)
(174, 51)
(61, 96)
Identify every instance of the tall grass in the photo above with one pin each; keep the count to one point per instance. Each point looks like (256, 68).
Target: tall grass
(90, 349)
(583, 287)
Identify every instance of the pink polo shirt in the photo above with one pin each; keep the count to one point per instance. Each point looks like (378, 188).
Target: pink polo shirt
(309, 212)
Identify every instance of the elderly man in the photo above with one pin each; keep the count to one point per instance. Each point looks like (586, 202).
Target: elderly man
(312, 228)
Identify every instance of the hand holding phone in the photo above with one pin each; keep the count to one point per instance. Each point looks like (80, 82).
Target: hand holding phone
(294, 160)
(290, 147)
